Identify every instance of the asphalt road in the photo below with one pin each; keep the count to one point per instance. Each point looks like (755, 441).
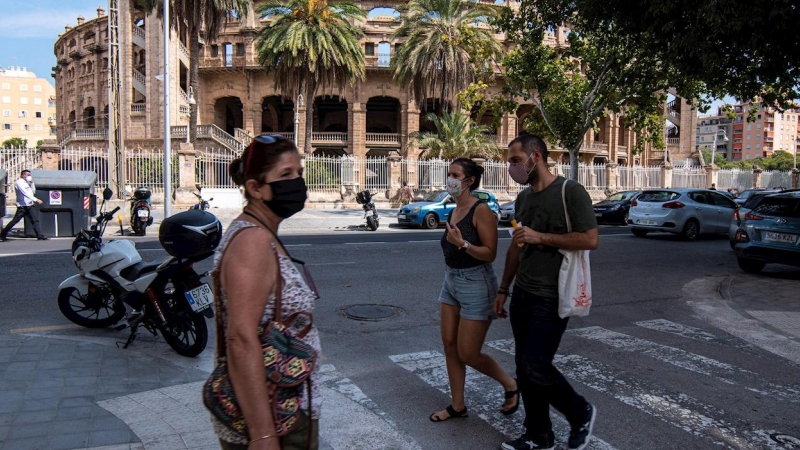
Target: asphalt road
(661, 377)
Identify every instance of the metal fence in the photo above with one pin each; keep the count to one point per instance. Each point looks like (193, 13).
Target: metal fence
(591, 176)
(638, 177)
(735, 179)
(211, 168)
(496, 178)
(326, 174)
(776, 179)
(424, 175)
(146, 168)
(689, 177)
(15, 160)
(87, 159)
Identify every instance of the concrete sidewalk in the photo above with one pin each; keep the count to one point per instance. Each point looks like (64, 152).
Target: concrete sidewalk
(309, 220)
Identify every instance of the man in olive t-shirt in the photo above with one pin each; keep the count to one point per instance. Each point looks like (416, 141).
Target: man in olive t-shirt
(534, 316)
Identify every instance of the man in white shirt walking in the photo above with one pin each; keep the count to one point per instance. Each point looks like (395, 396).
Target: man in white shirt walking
(26, 206)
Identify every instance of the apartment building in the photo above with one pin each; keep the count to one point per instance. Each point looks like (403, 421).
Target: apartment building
(27, 106)
(719, 125)
(769, 131)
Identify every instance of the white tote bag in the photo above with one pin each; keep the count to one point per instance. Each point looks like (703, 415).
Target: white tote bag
(574, 277)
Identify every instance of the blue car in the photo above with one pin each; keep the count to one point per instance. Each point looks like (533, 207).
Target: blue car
(436, 208)
(770, 233)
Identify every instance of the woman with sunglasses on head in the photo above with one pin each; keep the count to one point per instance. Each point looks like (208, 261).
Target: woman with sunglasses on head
(247, 263)
(470, 286)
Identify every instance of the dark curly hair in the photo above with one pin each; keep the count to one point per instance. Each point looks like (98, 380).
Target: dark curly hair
(471, 169)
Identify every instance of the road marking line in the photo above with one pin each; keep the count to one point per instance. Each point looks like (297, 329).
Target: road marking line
(678, 329)
(688, 361)
(678, 410)
(332, 263)
(484, 395)
(298, 245)
(43, 328)
(369, 242)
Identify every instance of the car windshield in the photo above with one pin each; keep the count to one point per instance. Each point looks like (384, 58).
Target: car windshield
(620, 196)
(436, 196)
(779, 207)
(658, 196)
(746, 194)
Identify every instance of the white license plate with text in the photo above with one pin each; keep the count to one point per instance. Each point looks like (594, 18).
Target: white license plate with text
(646, 222)
(401, 216)
(780, 237)
(143, 213)
(200, 297)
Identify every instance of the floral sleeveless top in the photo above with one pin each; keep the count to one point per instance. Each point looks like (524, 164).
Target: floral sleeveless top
(296, 296)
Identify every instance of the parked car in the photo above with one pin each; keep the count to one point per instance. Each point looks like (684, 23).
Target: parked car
(507, 212)
(436, 208)
(753, 199)
(770, 233)
(687, 212)
(747, 193)
(614, 209)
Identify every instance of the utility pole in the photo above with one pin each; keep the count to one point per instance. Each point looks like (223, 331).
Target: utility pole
(116, 161)
(167, 141)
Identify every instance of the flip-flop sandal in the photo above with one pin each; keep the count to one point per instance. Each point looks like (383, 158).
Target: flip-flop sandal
(452, 414)
(509, 396)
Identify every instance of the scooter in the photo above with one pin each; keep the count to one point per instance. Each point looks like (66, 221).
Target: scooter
(140, 211)
(364, 198)
(201, 204)
(165, 296)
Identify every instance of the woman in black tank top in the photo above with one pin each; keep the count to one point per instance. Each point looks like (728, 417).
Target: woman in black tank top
(470, 285)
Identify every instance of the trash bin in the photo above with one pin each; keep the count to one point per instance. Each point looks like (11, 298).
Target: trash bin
(68, 201)
(3, 184)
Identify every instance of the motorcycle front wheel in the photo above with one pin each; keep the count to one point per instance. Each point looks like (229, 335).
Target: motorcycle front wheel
(97, 310)
(186, 332)
(372, 223)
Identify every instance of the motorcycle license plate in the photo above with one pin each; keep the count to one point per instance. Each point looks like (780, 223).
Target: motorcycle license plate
(143, 213)
(200, 297)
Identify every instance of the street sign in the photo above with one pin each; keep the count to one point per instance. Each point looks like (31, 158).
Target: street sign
(55, 197)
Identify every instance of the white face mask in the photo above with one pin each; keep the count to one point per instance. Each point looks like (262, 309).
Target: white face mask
(454, 187)
(29, 179)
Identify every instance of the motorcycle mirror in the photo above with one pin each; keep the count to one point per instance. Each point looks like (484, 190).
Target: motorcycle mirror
(211, 199)
(107, 194)
(198, 187)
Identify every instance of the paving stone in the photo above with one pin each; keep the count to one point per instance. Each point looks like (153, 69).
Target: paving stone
(10, 406)
(44, 383)
(165, 442)
(80, 381)
(50, 363)
(30, 417)
(26, 357)
(109, 437)
(40, 404)
(77, 412)
(11, 395)
(42, 393)
(3, 433)
(76, 401)
(68, 441)
(28, 366)
(25, 430)
(7, 418)
(152, 430)
(108, 423)
(16, 376)
(28, 443)
(78, 391)
(200, 439)
(70, 426)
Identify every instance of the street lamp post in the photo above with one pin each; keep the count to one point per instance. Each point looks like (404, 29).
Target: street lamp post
(297, 117)
(190, 100)
(167, 142)
(714, 150)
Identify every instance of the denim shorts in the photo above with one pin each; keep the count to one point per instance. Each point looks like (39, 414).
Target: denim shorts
(473, 290)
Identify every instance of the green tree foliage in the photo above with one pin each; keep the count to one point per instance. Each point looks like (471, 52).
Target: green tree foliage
(15, 142)
(311, 45)
(442, 49)
(195, 19)
(740, 47)
(456, 135)
(573, 86)
(779, 160)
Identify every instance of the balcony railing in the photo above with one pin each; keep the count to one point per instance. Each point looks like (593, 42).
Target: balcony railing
(673, 141)
(139, 107)
(384, 59)
(329, 137)
(383, 138)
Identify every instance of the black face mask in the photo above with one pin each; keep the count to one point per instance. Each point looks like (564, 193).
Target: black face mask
(288, 197)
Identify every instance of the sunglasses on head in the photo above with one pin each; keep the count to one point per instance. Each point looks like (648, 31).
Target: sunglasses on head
(261, 139)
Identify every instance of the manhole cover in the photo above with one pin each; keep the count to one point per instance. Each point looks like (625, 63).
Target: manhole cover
(788, 441)
(371, 312)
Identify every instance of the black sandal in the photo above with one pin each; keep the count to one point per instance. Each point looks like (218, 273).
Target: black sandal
(452, 414)
(509, 396)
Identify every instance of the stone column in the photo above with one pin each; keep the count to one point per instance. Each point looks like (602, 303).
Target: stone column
(481, 162)
(614, 138)
(795, 179)
(409, 123)
(356, 129)
(187, 181)
(50, 154)
(248, 118)
(394, 174)
(666, 175)
(712, 175)
(300, 127)
(611, 178)
(757, 177)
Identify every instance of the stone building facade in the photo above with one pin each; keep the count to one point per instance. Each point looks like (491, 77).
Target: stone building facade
(237, 100)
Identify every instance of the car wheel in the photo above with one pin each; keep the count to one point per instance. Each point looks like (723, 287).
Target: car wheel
(733, 243)
(430, 221)
(625, 218)
(497, 216)
(750, 265)
(691, 230)
(639, 232)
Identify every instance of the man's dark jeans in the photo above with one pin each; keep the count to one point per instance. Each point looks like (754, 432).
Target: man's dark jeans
(537, 334)
(24, 211)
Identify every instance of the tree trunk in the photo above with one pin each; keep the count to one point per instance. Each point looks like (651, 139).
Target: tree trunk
(194, 81)
(573, 162)
(311, 87)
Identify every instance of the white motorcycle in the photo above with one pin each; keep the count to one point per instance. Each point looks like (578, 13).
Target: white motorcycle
(165, 296)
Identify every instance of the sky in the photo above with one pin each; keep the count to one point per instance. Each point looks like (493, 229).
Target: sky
(29, 29)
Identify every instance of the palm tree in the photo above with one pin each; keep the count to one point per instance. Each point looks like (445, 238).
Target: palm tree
(196, 17)
(456, 136)
(311, 45)
(442, 49)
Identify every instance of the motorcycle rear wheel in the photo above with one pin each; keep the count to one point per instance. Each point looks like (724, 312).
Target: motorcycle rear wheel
(186, 333)
(372, 223)
(102, 312)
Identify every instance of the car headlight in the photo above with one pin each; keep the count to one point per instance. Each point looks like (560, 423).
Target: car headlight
(416, 210)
